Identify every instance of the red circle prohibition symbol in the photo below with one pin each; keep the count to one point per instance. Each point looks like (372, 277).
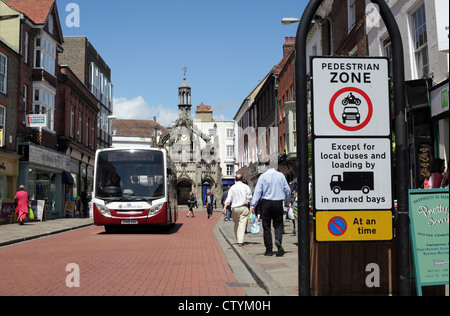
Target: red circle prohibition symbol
(337, 226)
(351, 128)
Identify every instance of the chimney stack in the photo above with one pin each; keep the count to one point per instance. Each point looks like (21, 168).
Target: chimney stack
(288, 45)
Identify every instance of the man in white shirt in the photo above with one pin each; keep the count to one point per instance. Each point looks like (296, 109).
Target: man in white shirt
(239, 197)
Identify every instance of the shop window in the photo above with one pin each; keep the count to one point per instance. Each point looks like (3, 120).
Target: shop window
(3, 187)
(45, 54)
(44, 103)
(351, 14)
(2, 125)
(420, 41)
(3, 73)
(44, 185)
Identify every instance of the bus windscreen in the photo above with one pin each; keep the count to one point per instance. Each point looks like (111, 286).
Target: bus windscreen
(130, 175)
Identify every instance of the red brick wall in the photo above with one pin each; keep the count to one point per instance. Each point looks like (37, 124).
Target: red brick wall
(72, 92)
(9, 100)
(343, 40)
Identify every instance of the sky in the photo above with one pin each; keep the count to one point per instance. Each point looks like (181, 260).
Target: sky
(227, 46)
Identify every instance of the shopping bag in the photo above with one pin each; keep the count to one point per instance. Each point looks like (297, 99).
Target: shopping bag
(31, 213)
(255, 225)
(291, 213)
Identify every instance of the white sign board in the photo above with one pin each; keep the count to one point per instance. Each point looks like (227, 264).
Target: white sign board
(439, 99)
(442, 7)
(36, 120)
(352, 174)
(351, 96)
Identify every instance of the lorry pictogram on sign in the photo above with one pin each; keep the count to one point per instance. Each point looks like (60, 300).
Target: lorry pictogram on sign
(352, 181)
(352, 174)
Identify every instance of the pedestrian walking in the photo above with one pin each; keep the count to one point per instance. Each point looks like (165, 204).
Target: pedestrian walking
(239, 196)
(294, 203)
(192, 201)
(209, 203)
(437, 173)
(22, 205)
(227, 215)
(273, 190)
(445, 181)
(426, 181)
(85, 201)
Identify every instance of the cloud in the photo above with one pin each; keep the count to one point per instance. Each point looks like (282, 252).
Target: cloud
(221, 117)
(139, 109)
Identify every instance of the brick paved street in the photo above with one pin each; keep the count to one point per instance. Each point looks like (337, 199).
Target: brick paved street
(186, 260)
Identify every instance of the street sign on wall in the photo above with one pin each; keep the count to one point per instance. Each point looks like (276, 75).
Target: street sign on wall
(352, 148)
(36, 120)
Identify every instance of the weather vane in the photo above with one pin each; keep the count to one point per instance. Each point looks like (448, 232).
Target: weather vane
(185, 71)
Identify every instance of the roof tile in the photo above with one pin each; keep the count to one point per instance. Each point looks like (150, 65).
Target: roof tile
(36, 10)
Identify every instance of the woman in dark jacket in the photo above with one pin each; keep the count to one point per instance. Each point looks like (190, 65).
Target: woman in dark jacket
(192, 201)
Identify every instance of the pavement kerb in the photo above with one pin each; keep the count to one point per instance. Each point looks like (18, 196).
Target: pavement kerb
(41, 235)
(259, 274)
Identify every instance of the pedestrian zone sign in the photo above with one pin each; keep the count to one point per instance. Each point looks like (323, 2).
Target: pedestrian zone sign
(350, 96)
(352, 149)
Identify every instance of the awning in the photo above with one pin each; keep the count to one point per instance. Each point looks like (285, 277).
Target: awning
(67, 178)
(226, 182)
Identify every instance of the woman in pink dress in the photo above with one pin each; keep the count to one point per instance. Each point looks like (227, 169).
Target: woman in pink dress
(23, 204)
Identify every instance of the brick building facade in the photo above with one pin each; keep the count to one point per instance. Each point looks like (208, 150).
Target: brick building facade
(286, 94)
(33, 30)
(92, 70)
(77, 126)
(57, 158)
(9, 94)
(9, 160)
(343, 28)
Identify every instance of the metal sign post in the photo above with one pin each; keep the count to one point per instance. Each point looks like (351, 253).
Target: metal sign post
(401, 172)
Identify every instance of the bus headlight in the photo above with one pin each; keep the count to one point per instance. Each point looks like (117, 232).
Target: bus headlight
(156, 208)
(103, 209)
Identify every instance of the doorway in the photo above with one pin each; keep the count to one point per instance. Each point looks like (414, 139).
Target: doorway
(183, 189)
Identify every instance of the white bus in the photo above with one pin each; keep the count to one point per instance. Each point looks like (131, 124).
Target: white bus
(134, 186)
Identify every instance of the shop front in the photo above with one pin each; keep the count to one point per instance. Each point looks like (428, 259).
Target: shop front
(79, 175)
(41, 171)
(440, 118)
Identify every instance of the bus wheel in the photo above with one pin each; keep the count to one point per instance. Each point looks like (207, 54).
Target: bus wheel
(109, 229)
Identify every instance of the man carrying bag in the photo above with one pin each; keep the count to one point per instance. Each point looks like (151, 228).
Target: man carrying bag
(273, 190)
(239, 196)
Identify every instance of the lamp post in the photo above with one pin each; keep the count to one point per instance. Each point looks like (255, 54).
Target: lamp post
(288, 21)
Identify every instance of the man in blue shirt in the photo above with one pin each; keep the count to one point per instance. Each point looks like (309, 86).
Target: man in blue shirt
(271, 191)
